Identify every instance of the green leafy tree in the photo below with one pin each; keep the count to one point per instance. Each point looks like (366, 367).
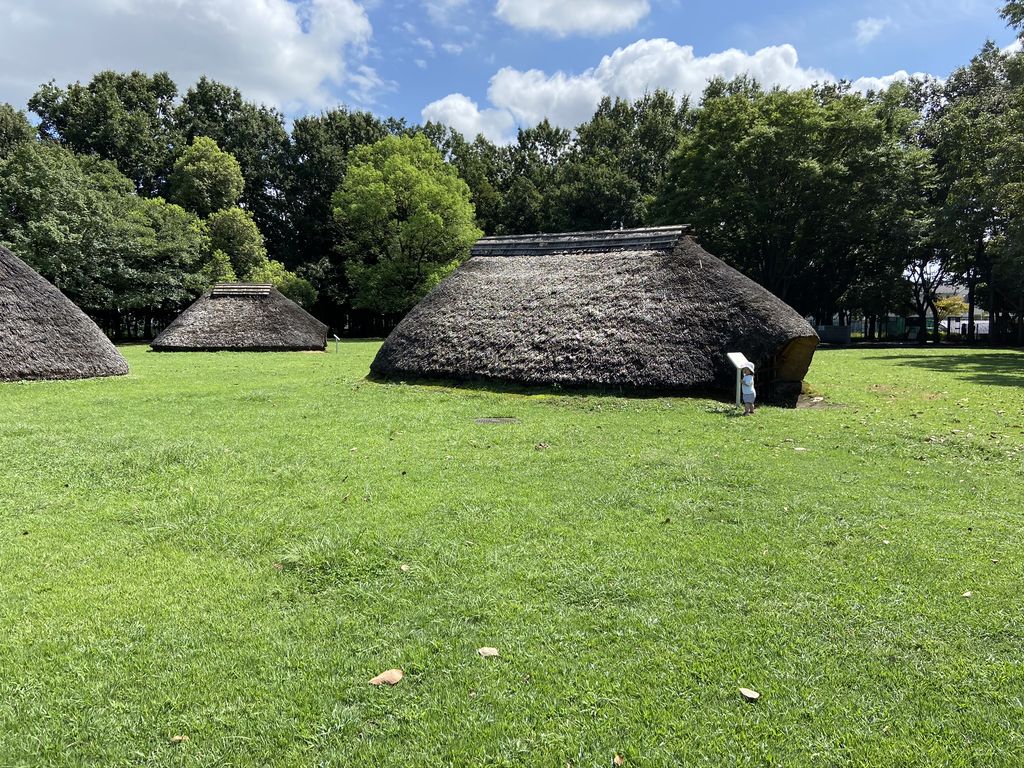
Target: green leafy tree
(205, 178)
(78, 221)
(255, 135)
(296, 288)
(161, 260)
(218, 269)
(522, 208)
(233, 231)
(54, 217)
(618, 162)
(1006, 246)
(536, 158)
(408, 222)
(126, 118)
(317, 159)
(1013, 13)
(973, 142)
(804, 191)
(482, 165)
(15, 129)
(951, 306)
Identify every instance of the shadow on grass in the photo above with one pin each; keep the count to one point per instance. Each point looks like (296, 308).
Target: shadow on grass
(572, 391)
(500, 386)
(722, 401)
(981, 367)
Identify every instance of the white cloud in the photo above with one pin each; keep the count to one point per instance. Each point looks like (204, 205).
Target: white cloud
(870, 28)
(453, 48)
(289, 54)
(639, 68)
(564, 17)
(365, 85)
(462, 113)
(526, 97)
(1015, 47)
(865, 84)
(441, 10)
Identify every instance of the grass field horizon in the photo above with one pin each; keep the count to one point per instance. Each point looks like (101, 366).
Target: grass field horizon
(212, 546)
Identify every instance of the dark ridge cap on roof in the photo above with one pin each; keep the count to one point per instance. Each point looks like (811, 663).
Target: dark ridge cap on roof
(240, 289)
(600, 241)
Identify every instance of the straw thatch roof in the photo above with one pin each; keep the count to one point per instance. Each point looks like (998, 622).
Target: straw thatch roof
(43, 335)
(643, 309)
(243, 317)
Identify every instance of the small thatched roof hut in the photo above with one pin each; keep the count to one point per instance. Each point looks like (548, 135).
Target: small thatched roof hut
(43, 335)
(243, 317)
(645, 309)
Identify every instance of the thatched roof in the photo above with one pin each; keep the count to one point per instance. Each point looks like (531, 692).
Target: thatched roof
(43, 335)
(641, 309)
(247, 317)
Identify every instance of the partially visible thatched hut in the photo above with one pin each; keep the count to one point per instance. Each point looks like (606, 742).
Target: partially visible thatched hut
(43, 335)
(243, 317)
(643, 309)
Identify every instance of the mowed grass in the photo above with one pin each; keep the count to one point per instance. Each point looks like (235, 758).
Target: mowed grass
(212, 547)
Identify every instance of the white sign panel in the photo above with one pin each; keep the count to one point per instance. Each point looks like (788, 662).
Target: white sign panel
(739, 360)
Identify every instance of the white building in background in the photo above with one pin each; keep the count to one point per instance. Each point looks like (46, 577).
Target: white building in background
(959, 323)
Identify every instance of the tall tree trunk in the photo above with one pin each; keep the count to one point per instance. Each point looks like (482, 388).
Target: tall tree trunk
(991, 305)
(979, 256)
(970, 307)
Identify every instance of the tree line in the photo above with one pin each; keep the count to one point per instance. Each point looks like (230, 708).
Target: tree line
(133, 198)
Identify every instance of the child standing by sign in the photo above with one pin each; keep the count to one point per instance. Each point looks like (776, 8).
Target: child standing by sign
(748, 391)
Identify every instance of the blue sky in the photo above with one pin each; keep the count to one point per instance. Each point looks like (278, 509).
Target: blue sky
(485, 65)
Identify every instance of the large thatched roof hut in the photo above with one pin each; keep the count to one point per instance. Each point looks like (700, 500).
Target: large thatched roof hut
(43, 335)
(644, 309)
(243, 317)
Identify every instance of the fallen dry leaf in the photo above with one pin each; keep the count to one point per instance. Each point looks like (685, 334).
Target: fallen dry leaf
(885, 541)
(487, 652)
(749, 694)
(278, 567)
(405, 568)
(179, 739)
(968, 594)
(541, 446)
(618, 760)
(391, 677)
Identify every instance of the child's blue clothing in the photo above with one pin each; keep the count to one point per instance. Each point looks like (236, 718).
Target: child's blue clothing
(749, 393)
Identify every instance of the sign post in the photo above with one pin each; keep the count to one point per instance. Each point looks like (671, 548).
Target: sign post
(739, 360)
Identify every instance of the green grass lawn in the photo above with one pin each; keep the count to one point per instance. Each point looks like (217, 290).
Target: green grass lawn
(212, 547)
